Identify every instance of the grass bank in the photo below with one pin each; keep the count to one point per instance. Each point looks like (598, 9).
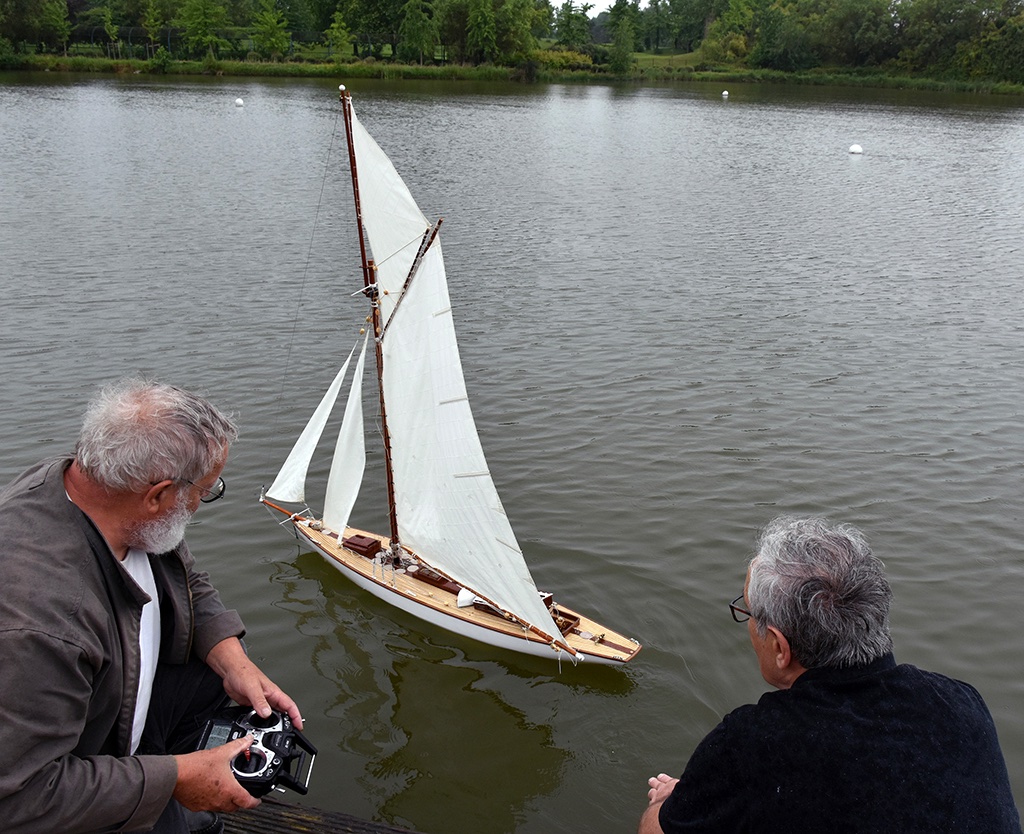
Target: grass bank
(658, 69)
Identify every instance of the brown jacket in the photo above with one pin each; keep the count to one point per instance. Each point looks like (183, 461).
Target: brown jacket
(69, 664)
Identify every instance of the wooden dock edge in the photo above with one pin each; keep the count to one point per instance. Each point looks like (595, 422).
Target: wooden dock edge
(276, 817)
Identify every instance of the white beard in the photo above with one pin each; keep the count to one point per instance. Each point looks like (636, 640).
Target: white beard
(161, 535)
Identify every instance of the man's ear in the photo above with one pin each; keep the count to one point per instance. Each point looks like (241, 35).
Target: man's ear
(159, 496)
(789, 668)
(778, 644)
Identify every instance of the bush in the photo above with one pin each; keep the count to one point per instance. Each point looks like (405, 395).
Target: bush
(161, 61)
(562, 59)
(211, 66)
(8, 59)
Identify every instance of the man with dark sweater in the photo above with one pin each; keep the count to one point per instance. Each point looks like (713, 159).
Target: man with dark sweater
(851, 741)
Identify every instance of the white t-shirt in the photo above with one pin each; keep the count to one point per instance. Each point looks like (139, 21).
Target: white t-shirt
(137, 564)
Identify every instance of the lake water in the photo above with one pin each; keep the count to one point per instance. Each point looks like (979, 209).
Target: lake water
(680, 315)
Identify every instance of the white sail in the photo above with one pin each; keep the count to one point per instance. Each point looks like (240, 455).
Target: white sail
(349, 455)
(393, 222)
(447, 506)
(290, 484)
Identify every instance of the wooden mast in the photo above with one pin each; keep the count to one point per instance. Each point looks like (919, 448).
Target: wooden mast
(372, 291)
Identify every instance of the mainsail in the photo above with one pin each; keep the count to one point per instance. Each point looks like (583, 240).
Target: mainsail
(392, 220)
(447, 507)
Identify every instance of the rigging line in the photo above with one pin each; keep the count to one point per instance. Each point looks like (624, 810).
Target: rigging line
(403, 247)
(302, 283)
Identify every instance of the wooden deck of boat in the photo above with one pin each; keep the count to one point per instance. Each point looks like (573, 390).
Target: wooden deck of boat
(589, 637)
(276, 817)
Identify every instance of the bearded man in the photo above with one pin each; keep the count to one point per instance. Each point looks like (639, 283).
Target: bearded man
(115, 649)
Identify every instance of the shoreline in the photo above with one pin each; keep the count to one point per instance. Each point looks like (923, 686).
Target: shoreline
(396, 72)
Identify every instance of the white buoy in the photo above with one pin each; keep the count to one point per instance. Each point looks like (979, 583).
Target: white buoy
(239, 102)
(341, 87)
(856, 149)
(725, 94)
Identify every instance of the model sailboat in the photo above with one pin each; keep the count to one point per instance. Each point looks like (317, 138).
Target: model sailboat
(451, 557)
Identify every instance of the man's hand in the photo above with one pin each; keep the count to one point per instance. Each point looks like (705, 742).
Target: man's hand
(206, 783)
(660, 787)
(246, 684)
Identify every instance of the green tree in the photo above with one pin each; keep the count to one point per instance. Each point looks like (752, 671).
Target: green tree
(481, 32)
(298, 14)
(203, 21)
(997, 54)
(452, 20)
(623, 42)
(572, 26)
(338, 37)
(101, 16)
(21, 21)
(55, 25)
(852, 32)
(655, 24)
(153, 21)
(932, 30)
(375, 23)
(417, 36)
(322, 12)
(544, 19)
(625, 11)
(516, 21)
(128, 12)
(781, 42)
(270, 37)
(731, 35)
(240, 12)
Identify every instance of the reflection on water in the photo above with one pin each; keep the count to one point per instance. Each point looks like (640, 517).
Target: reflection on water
(432, 732)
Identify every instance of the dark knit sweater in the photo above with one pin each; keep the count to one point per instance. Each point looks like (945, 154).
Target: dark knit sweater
(876, 748)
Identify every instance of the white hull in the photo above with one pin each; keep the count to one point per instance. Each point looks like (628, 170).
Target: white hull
(378, 581)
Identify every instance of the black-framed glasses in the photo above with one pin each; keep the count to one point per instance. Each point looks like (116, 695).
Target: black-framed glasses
(739, 614)
(213, 493)
(209, 495)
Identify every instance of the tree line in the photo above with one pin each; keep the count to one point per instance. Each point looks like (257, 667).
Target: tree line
(954, 39)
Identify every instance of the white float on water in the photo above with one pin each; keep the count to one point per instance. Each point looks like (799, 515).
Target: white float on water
(725, 94)
(239, 102)
(856, 149)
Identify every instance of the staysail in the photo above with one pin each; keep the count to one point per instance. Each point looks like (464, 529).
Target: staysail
(349, 460)
(447, 506)
(290, 483)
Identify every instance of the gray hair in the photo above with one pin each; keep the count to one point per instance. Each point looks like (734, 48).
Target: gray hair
(137, 432)
(823, 588)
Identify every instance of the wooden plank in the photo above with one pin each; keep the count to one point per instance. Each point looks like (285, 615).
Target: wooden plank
(276, 817)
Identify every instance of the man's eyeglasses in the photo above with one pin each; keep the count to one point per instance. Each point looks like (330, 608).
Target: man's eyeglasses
(209, 495)
(739, 614)
(213, 493)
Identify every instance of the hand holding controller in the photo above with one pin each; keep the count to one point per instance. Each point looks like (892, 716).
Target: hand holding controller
(276, 746)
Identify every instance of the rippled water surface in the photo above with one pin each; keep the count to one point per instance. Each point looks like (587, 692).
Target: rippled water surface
(679, 316)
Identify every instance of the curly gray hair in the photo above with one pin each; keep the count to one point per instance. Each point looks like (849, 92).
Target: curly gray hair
(823, 588)
(137, 432)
